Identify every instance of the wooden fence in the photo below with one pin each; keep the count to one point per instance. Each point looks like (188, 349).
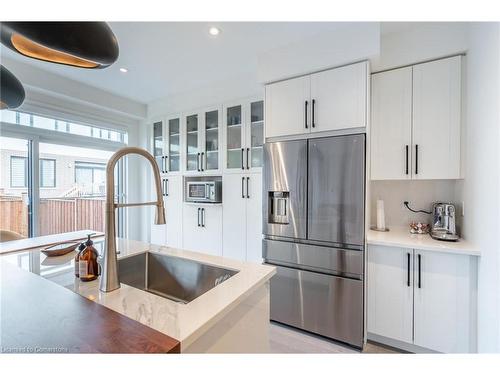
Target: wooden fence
(57, 215)
(14, 215)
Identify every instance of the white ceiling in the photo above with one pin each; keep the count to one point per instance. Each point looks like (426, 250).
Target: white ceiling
(164, 58)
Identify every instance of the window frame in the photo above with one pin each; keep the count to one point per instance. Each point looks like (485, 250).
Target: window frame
(63, 126)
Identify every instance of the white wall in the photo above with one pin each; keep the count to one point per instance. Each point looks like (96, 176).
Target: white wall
(420, 42)
(230, 89)
(420, 193)
(481, 186)
(347, 43)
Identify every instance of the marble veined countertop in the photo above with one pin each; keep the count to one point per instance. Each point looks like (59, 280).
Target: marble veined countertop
(183, 322)
(401, 237)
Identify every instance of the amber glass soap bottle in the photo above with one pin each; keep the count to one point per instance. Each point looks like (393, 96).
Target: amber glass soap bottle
(87, 262)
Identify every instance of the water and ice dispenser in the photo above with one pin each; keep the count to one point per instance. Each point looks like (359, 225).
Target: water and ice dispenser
(278, 207)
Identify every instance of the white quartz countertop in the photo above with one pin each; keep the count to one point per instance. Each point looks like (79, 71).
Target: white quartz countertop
(183, 322)
(401, 237)
(45, 241)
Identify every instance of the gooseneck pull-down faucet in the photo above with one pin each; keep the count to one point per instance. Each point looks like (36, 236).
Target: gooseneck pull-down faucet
(109, 275)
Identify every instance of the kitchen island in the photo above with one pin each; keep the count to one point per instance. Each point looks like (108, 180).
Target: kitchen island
(232, 317)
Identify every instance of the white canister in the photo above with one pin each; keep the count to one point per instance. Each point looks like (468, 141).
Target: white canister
(380, 215)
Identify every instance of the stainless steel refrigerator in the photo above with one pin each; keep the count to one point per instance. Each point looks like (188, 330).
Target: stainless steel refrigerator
(313, 225)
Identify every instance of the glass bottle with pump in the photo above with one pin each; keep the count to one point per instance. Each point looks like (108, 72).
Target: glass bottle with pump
(77, 257)
(87, 262)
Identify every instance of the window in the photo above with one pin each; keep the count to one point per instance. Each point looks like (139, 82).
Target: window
(41, 122)
(18, 172)
(47, 173)
(90, 177)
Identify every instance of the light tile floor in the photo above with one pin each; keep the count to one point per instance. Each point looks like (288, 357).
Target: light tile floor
(284, 339)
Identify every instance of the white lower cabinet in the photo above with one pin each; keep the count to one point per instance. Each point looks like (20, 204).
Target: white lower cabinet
(202, 228)
(422, 298)
(390, 299)
(443, 304)
(242, 217)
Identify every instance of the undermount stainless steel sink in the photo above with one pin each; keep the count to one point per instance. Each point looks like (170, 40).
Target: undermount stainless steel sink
(178, 279)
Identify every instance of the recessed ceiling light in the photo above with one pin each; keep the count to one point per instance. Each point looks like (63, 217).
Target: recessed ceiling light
(123, 70)
(214, 31)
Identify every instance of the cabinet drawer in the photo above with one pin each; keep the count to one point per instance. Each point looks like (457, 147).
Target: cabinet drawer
(323, 304)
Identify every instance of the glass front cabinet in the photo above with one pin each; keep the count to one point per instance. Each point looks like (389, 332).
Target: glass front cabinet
(211, 140)
(166, 144)
(244, 136)
(203, 141)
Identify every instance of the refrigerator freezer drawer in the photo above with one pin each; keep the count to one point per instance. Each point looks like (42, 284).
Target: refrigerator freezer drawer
(324, 259)
(326, 305)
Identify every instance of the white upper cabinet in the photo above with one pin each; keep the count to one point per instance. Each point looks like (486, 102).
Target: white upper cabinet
(338, 98)
(288, 107)
(334, 99)
(436, 119)
(391, 125)
(416, 124)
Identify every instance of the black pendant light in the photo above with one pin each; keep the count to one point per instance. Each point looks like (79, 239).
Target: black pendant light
(11, 91)
(90, 45)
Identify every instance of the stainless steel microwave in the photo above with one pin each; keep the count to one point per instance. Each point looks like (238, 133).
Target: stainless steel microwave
(204, 191)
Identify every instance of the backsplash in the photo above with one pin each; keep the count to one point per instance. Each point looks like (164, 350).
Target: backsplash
(419, 194)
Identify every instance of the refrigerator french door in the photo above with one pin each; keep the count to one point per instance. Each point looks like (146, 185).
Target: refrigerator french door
(313, 224)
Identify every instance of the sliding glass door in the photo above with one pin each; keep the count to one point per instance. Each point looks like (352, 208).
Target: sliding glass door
(15, 189)
(72, 188)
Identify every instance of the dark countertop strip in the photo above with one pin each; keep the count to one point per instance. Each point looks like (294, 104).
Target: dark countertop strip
(41, 317)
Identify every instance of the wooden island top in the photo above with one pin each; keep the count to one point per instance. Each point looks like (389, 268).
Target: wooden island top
(38, 316)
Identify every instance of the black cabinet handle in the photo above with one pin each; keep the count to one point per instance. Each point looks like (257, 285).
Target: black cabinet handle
(203, 217)
(419, 271)
(163, 164)
(201, 159)
(416, 159)
(248, 193)
(312, 121)
(242, 187)
(242, 157)
(166, 164)
(248, 152)
(166, 187)
(199, 209)
(305, 113)
(406, 169)
(408, 269)
(198, 162)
